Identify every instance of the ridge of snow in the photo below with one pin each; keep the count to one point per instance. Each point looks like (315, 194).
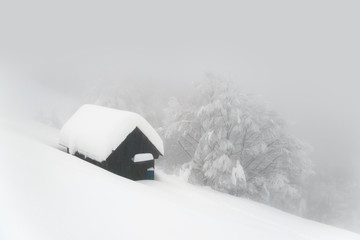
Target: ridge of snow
(96, 131)
(142, 157)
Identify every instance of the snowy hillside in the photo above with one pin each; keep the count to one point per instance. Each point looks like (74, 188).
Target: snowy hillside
(48, 194)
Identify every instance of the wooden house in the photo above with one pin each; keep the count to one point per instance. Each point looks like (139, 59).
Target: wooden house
(119, 141)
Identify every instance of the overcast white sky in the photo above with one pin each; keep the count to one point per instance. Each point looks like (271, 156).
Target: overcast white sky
(301, 56)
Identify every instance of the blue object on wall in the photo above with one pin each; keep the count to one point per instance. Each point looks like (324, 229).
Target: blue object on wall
(150, 174)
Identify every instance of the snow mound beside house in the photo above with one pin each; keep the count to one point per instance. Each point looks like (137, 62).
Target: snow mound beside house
(96, 131)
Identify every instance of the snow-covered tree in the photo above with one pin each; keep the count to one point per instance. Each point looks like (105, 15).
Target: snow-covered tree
(235, 145)
(334, 197)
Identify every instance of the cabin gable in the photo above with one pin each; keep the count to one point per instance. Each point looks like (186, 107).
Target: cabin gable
(120, 160)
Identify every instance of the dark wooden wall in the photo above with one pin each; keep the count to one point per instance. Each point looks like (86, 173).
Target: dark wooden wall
(119, 161)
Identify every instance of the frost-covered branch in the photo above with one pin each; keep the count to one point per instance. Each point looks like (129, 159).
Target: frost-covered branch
(232, 136)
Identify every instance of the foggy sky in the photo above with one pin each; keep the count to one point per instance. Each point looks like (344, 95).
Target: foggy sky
(302, 57)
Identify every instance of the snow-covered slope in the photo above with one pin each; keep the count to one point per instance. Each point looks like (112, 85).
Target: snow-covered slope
(48, 194)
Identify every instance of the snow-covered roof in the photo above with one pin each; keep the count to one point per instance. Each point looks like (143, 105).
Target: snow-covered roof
(96, 131)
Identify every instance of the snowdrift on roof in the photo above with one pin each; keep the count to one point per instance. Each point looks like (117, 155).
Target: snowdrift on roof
(96, 131)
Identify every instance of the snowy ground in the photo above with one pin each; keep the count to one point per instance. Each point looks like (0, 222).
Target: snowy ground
(48, 194)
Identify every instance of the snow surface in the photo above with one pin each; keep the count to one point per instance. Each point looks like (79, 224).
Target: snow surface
(96, 131)
(48, 194)
(142, 157)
